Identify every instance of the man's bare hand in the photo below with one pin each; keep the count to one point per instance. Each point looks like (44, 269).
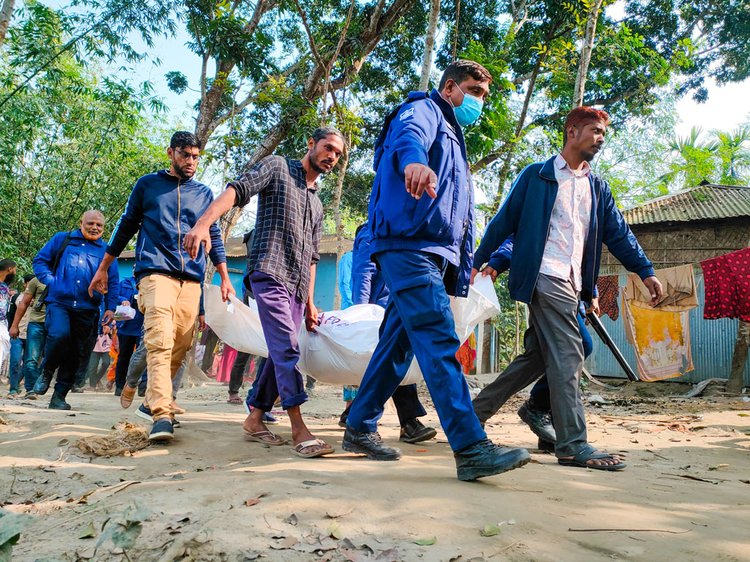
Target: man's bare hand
(594, 307)
(14, 332)
(226, 289)
(487, 270)
(197, 237)
(654, 288)
(99, 282)
(420, 179)
(202, 322)
(107, 317)
(311, 317)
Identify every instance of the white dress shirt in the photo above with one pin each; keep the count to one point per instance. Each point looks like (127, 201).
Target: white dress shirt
(569, 224)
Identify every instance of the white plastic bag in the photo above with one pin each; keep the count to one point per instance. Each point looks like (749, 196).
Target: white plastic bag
(123, 312)
(341, 347)
(234, 322)
(339, 351)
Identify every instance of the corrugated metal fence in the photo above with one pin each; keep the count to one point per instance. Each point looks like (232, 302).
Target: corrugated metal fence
(712, 345)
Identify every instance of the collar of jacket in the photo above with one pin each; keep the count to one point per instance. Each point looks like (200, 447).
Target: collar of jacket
(450, 116)
(164, 174)
(548, 170)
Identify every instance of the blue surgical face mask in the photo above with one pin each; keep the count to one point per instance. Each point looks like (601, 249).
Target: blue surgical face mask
(469, 110)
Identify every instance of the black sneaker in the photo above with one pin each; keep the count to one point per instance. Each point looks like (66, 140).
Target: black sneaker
(77, 390)
(369, 444)
(143, 412)
(540, 422)
(414, 431)
(161, 430)
(485, 459)
(176, 423)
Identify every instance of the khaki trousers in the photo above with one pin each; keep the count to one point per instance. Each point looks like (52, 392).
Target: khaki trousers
(170, 308)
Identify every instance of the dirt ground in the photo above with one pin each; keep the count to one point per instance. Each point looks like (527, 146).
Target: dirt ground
(209, 495)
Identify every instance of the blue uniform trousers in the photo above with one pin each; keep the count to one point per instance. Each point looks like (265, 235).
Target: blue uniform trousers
(418, 322)
(68, 344)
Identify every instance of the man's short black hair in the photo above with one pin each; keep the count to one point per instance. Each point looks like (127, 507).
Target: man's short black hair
(28, 277)
(7, 264)
(460, 70)
(182, 139)
(322, 132)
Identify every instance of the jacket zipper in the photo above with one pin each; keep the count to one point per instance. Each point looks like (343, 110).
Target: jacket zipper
(595, 214)
(179, 228)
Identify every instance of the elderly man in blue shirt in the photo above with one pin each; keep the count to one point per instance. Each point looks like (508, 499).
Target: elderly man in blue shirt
(67, 264)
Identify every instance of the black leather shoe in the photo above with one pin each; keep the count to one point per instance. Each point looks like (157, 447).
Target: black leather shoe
(58, 402)
(369, 444)
(545, 446)
(485, 459)
(414, 431)
(41, 386)
(540, 422)
(344, 415)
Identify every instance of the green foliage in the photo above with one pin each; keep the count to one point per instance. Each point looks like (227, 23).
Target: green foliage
(732, 149)
(510, 324)
(70, 139)
(11, 527)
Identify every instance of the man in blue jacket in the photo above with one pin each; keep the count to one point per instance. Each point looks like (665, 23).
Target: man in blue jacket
(162, 208)
(560, 214)
(72, 311)
(423, 247)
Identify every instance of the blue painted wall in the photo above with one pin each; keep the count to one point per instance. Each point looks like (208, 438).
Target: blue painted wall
(325, 282)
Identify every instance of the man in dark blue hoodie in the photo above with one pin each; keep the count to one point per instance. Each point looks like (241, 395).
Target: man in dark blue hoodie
(560, 214)
(162, 208)
(423, 247)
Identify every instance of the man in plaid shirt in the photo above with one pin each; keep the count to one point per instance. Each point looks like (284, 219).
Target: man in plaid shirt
(281, 273)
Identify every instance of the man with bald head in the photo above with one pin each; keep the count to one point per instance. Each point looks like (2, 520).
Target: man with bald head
(66, 264)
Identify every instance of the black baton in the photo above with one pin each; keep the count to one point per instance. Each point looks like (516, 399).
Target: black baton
(602, 332)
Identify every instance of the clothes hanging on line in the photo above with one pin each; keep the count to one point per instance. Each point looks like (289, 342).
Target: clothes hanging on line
(727, 286)
(609, 293)
(678, 284)
(661, 340)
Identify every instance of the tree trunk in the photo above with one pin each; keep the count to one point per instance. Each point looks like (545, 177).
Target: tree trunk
(739, 358)
(6, 12)
(339, 224)
(429, 44)
(586, 49)
(511, 146)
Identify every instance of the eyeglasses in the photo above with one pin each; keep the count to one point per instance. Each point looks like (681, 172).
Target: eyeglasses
(188, 155)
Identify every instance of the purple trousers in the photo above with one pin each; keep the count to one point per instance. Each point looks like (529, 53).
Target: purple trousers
(281, 315)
